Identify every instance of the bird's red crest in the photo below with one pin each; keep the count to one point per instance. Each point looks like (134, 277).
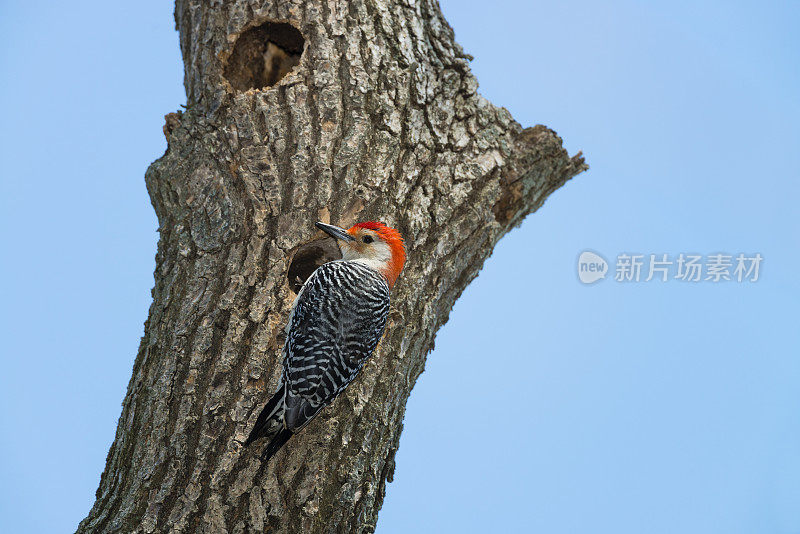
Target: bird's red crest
(395, 242)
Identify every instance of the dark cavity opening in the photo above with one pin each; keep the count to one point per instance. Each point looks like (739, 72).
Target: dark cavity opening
(308, 257)
(263, 55)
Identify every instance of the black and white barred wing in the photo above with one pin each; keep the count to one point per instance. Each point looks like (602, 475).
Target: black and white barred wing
(338, 319)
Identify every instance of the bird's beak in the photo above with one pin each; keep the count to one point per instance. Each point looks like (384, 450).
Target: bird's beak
(334, 231)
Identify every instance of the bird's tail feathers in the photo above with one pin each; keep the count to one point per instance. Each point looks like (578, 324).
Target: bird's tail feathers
(277, 442)
(270, 420)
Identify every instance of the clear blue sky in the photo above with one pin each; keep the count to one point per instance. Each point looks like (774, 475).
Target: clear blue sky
(610, 408)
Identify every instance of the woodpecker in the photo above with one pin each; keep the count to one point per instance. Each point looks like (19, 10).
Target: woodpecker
(336, 322)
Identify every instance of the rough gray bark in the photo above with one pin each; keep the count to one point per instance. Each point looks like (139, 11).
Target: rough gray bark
(380, 119)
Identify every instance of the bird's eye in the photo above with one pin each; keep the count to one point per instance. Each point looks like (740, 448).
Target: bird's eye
(367, 239)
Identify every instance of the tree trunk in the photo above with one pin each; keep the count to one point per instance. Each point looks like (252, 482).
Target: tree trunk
(299, 111)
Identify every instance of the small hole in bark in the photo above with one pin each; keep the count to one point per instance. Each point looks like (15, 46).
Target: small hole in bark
(508, 203)
(263, 55)
(308, 257)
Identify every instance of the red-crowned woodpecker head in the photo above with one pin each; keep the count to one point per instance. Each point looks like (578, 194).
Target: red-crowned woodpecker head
(372, 243)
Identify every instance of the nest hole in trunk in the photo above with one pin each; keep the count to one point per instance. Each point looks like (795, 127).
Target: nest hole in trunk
(308, 257)
(263, 55)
